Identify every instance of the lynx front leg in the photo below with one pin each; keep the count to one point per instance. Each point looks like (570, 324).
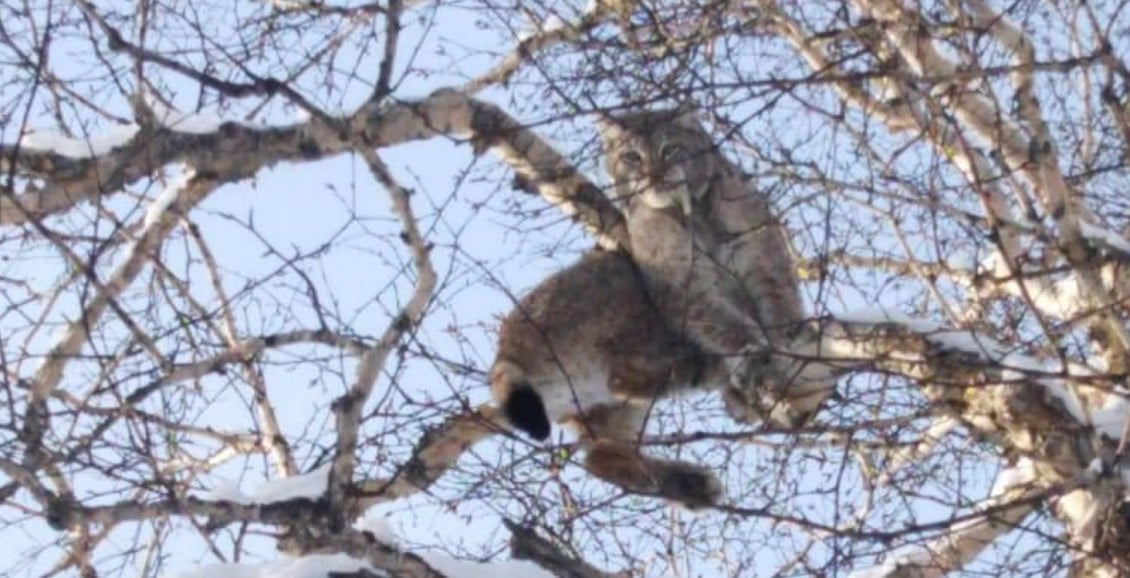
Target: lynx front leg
(740, 342)
(787, 398)
(612, 433)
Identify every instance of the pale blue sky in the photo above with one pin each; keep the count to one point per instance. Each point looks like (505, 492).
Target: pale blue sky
(483, 249)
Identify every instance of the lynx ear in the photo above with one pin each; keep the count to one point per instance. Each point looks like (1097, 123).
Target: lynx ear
(688, 115)
(609, 127)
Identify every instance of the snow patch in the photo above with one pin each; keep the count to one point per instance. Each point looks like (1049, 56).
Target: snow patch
(313, 566)
(310, 485)
(880, 314)
(188, 123)
(1012, 477)
(961, 261)
(378, 526)
(449, 566)
(323, 565)
(904, 557)
(74, 148)
(226, 491)
(551, 24)
(1104, 236)
(950, 339)
(1081, 508)
(1111, 419)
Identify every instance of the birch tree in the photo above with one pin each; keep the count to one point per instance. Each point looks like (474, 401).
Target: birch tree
(252, 255)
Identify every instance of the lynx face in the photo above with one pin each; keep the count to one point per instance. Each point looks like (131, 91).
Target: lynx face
(720, 273)
(662, 158)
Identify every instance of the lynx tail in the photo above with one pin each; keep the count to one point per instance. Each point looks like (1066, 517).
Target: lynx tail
(525, 410)
(520, 402)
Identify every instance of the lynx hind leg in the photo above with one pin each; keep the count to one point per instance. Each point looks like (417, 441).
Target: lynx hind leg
(611, 434)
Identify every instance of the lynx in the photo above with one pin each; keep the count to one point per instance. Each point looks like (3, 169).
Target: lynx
(587, 348)
(714, 259)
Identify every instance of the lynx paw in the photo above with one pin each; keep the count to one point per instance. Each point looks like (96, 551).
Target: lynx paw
(740, 407)
(751, 367)
(749, 407)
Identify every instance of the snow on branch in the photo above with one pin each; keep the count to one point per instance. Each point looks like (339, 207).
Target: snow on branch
(311, 485)
(538, 167)
(313, 566)
(373, 554)
(941, 356)
(1031, 159)
(1067, 421)
(236, 150)
(1105, 238)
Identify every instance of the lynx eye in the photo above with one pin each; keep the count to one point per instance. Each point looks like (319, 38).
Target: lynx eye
(671, 152)
(630, 157)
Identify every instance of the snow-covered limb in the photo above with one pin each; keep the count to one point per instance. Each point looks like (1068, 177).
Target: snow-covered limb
(539, 168)
(236, 151)
(1063, 419)
(1030, 159)
(551, 25)
(313, 566)
(1105, 238)
(376, 556)
(372, 545)
(962, 542)
(73, 148)
(311, 485)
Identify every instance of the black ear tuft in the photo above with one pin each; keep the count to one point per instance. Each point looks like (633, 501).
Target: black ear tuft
(526, 412)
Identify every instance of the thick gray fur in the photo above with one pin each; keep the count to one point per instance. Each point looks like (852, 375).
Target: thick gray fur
(714, 258)
(587, 348)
